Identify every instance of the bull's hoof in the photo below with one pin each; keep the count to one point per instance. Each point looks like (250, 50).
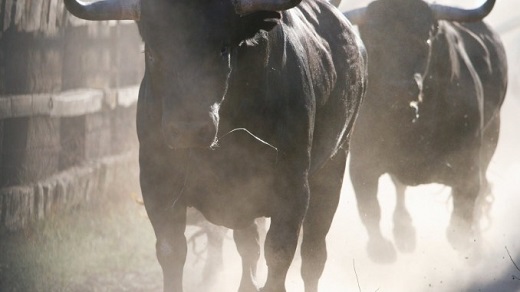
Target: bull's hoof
(265, 289)
(459, 235)
(458, 241)
(405, 238)
(248, 287)
(473, 255)
(381, 251)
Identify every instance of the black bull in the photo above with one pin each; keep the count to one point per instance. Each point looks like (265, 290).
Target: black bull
(437, 79)
(243, 116)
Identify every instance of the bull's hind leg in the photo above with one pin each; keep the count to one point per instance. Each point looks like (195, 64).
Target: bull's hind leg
(404, 231)
(464, 192)
(325, 193)
(248, 246)
(166, 213)
(365, 184)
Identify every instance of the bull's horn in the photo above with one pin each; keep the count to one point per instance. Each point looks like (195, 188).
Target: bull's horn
(336, 3)
(356, 16)
(249, 6)
(462, 15)
(105, 9)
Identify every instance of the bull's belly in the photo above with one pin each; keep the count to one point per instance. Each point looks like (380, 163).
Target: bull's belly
(445, 168)
(233, 184)
(414, 175)
(230, 205)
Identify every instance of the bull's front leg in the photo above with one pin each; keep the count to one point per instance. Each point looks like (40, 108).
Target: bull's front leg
(469, 180)
(248, 245)
(325, 187)
(404, 231)
(462, 230)
(365, 183)
(282, 237)
(161, 187)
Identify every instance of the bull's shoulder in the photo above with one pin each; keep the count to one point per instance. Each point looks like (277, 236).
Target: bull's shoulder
(322, 44)
(475, 38)
(473, 43)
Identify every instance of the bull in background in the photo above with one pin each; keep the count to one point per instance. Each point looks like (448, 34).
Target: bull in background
(244, 111)
(437, 80)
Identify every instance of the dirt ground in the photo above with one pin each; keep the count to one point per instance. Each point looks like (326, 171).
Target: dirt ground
(93, 248)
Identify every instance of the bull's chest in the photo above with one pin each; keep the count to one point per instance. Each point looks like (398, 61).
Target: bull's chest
(429, 150)
(233, 184)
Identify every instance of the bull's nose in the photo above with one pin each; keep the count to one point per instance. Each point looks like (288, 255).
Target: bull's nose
(189, 134)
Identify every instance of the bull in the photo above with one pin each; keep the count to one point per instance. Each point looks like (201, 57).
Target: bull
(437, 80)
(244, 111)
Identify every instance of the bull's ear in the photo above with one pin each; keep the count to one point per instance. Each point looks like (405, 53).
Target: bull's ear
(252, 23)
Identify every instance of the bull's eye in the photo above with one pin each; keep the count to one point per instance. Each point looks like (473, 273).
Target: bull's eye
(150, 56)
(224, 51)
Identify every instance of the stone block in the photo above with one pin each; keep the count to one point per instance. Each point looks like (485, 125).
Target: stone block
(124, 132)
(39, 202)
(72, 136)
(22, 205)
(2, 207)
(21, 106)
(1, 143)
(59, 197)
(41, 104)
(76, 102)
(48, 188)
(97, 135)
(44, 195)
(127, 96)
(5, 106)
(87, 58)
(32, 152)
(18, 206)
(31, 64)
(76, 188)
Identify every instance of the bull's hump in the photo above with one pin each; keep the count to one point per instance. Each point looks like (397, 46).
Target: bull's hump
(316, 54)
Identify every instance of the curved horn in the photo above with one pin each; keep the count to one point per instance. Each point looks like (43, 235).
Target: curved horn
(105, 9)
(462, 15)
(356, 16)
(336, 3)
(249, 6)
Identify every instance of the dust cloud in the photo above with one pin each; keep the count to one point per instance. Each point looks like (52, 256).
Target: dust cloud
(119, 255)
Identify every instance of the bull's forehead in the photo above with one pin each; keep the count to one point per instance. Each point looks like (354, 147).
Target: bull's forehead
(187, 19)
(396, 16)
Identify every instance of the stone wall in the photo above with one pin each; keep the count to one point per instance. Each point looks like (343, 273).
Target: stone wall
(24, 204)
(68, 91)
(47, 17)
(52, 162)
(77, 128)
(93, 56)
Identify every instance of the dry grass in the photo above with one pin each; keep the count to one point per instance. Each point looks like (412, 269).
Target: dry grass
(98, 247)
